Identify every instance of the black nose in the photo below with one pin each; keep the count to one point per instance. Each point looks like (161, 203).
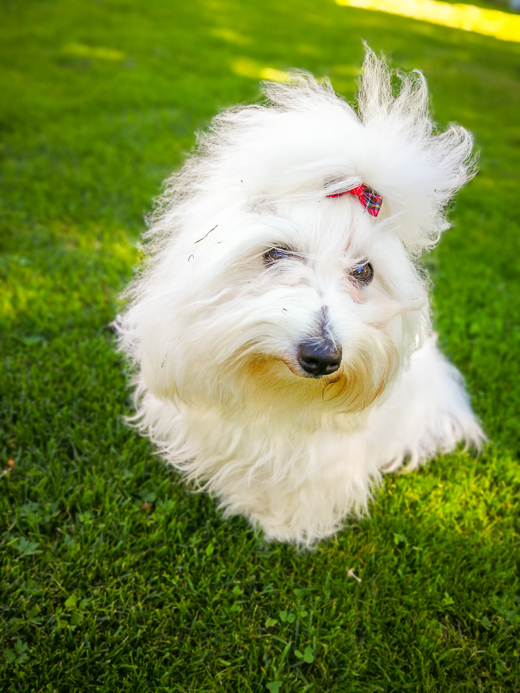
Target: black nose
(319, 356)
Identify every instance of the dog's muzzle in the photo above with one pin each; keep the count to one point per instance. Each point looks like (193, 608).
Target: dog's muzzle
(319, 356)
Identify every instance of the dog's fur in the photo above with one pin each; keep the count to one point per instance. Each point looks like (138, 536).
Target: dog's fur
(214, 329)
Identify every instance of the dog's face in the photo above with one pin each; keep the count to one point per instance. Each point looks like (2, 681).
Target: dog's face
(308, 305)
(271, 296)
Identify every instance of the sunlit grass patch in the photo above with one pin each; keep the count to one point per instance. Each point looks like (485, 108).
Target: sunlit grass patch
(83, 51)
(489, 22)
(245, 67)
(230, 36)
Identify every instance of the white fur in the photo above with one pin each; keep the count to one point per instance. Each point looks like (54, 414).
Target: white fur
(214, 332)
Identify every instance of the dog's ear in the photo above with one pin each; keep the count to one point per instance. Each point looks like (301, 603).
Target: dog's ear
(416, 168)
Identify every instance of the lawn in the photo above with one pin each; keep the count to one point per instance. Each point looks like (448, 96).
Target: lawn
(114, 577)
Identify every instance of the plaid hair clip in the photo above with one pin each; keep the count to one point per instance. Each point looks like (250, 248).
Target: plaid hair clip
(370, 200)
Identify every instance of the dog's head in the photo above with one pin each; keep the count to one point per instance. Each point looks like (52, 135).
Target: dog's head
(282, 275)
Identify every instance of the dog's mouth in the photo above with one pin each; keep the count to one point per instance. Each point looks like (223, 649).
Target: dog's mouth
(325, 378)
(281, 383)
(358, 383)
(335, 384)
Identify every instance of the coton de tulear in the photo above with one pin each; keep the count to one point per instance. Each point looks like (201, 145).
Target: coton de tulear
(281, 327)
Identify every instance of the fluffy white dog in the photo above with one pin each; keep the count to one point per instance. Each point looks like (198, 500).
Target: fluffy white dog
(281, 327)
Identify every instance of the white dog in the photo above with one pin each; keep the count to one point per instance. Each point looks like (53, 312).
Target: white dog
(281, 327)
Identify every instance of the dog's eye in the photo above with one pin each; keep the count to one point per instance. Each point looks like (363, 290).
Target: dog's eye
(276, 254)
(363, 273)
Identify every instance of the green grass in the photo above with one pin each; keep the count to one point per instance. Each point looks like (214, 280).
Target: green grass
(113, 576)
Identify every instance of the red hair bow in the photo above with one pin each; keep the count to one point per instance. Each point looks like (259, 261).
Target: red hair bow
(370, 200)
